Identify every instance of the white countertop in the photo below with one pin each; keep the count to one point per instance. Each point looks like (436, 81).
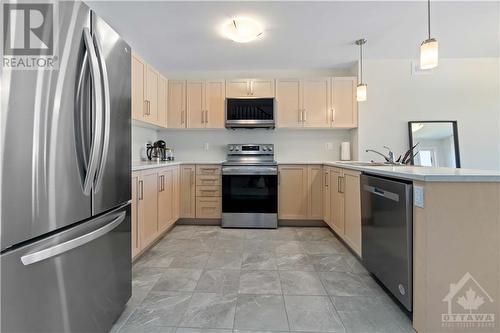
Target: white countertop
(426, 174)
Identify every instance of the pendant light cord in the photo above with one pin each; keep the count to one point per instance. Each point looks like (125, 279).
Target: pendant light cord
(429, 17)
(361, 62)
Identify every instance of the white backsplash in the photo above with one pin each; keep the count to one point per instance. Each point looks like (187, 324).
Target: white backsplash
(141, 136)
(290, 144)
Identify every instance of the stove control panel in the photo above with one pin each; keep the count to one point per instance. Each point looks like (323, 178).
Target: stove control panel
(250, 149)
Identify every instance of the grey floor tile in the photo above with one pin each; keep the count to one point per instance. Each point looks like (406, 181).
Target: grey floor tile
(285, 233)
(232, 234)
(160, 309)
(355, 265)
(288, 247)
(314, 234)
(190, 260)
(259, 282)
(236, 245)
(256, 331)
(301, 283)
(219, 281)
(323, 247)
(206, 232)
(261, 312)
(330, 262)
(154, 258)
(258, 261)
(201, 330)
(356, 322)
(345, 284)
(144, 278)
(178, 279)
(312, 313)
(224, 260)
(294, 262)
(146, 329)
(182, 232)
(259, 246)
(210, 310)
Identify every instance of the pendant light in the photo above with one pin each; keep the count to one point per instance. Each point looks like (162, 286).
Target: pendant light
(361, 88)
(429, 47)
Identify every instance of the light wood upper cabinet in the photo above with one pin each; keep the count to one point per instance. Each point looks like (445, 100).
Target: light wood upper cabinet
(326, 195)
(352, 209)
(316, 102)
(344, 105)
(136, 246)
(148, 206)
(337, 201)
(162, 101)
(289, 103)
(137, 95)
(187, 191)
(250, 88)
(165, 198)
(151, 94)
(315, 192)
(215, 96)
(176, 111)
(292, 195)
(195, 104)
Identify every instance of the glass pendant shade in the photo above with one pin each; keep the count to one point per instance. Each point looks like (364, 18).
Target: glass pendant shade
(361, 92)
(429, 54)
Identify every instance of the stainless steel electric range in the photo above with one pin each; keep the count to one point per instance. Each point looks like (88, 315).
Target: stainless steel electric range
(250, 187)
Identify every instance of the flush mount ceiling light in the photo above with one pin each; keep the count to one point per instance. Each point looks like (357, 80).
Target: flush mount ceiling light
(361, 88)
(242, 29)
(429, 47)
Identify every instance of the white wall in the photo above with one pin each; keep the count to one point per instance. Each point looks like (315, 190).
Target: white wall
(466, 90)
(141, 134)
(290, 145)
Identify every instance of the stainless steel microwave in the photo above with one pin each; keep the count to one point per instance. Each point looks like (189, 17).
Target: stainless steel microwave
(250, 113)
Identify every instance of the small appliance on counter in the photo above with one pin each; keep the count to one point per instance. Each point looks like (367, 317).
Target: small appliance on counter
(158, 151)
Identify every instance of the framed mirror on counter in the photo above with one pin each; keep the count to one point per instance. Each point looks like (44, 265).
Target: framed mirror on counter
(436, 143)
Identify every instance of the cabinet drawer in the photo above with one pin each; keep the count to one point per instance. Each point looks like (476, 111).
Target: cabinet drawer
(208, 207)
(204, 180)
(208, 191)
(208, 169)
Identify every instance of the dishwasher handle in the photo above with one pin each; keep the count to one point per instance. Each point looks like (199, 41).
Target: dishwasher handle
(382, 193)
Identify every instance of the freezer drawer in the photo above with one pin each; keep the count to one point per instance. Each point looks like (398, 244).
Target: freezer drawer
(76, 281)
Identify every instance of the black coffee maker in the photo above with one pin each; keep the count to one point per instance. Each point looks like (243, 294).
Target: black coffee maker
(157, 151)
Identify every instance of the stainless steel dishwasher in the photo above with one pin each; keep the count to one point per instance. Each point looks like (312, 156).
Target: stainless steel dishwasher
(386, 210)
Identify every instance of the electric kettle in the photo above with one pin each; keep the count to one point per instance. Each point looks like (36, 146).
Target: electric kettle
(156, 151)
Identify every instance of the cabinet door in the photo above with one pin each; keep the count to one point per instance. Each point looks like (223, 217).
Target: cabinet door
(315, 192)
(176, 194)
(351, 188)
(316, 102)
(326, 196)
(162, 102)
(151, 92)
(137, 77)
(262, 88)
(176, 111)
(165, 198)
(187, 202)
(195, 104)
(344, 105)
(337, 199)
(292, 192)
(215, 96)
(289, 103)
(237, 88)
(148, 207)
(136, 248)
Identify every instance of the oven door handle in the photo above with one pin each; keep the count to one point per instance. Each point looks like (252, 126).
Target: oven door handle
(243, 171)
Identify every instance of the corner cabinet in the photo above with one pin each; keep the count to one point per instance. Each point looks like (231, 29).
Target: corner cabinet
(300, 195)
(154, 205)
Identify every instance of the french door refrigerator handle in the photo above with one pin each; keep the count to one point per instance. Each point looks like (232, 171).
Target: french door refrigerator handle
(79, 119)
(97, 93)
(71, 244)
(107, 116)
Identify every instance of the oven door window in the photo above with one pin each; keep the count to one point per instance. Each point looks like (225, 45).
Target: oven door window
(249, 193)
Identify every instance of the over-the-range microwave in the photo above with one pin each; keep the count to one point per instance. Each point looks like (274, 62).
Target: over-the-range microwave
(250, 113)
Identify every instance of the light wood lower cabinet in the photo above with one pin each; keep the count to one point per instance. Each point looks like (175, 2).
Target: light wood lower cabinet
(155, 207)
(187, 191)
(208, 207)
(327, 204)
(300, 192)
(345, 206)
(208, 197)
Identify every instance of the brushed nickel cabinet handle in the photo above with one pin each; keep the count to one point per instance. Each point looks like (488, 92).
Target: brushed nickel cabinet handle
(305, 115)
(192, 178)
(326, 179)
(141, 190)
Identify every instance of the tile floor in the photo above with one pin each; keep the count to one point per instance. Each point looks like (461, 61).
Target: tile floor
(208, 279)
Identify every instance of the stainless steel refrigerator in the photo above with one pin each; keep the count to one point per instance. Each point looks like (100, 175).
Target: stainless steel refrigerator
(65, 182)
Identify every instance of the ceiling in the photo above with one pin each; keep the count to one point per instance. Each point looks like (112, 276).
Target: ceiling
(184, 36)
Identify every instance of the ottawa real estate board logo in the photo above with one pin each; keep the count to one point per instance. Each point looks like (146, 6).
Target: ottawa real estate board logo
(29, 35)
(469, 305)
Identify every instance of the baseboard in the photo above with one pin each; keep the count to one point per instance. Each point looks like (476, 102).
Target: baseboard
(185, 221)
(301, 223)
